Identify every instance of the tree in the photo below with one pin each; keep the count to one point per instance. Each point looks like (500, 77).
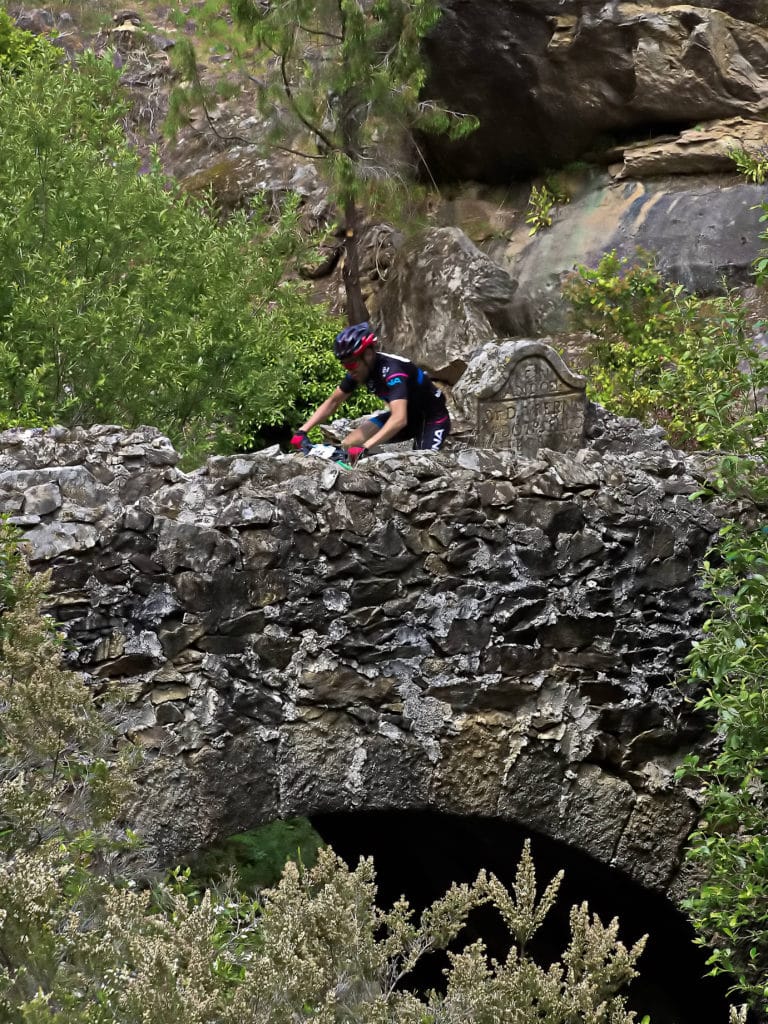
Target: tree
(344, 78)
(121, 299)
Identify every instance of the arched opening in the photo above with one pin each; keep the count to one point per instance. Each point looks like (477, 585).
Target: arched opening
(419, 854)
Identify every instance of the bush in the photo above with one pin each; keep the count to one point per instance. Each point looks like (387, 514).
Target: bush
(258, 857)
(57, 765)
(729, 910)
(121, 300)
(668, 357)
(19, 49)
(318, 372)
(328, 953)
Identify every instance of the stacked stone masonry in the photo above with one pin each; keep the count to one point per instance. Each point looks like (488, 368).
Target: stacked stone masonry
(471, 632)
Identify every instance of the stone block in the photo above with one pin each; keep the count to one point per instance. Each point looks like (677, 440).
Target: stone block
(40, 500)
(653, 841)
(520, 395)
(598, 808)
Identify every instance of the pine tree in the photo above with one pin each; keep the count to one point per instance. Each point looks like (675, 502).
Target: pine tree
(342, 83)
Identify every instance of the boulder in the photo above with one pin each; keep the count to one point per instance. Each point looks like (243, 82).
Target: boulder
(549, 81)
(443, 299)
(705, 232)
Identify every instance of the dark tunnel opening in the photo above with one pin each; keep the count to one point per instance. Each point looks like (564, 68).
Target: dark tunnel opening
(419, 855)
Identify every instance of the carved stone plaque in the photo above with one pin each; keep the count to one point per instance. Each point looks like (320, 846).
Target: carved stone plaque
(525, 398)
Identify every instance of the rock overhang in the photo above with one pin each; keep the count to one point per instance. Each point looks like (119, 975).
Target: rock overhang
(549, 81)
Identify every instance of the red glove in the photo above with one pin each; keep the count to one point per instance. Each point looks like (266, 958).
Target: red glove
(298, 439)
(356, 453)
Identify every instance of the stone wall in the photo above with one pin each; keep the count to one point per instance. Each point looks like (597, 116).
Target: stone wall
(473, 632)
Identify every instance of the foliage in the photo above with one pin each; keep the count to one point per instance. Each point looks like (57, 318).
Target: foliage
(122, 301)
(328, 953)
(730, 909)
(61, 784)
(57, 766)
(761, 263)
(690, 364)
(317, 372)
(541, 204)
(348, 76)
(668, 357)
(340, 82)
(259, 856)
(319, 949)
(20, 49)
(753, 168)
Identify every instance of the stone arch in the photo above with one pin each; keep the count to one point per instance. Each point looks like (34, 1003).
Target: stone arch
(477, 633)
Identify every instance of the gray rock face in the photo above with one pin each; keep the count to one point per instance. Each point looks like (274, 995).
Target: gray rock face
(547, 80)
(443, 299)
(703, 232)
(477, 633)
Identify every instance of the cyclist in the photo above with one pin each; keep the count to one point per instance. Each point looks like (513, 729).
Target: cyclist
(417, 408)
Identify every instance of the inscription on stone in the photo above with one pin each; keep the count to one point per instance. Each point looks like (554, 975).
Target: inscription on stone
(537, 403)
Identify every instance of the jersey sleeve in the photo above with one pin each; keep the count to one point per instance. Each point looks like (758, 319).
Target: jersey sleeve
(348, 384)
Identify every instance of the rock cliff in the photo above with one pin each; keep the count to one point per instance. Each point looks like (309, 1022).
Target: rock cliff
(552, 80)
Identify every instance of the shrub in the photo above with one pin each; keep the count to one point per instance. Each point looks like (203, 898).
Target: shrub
(318, 372)
(57, 765)
(61, 783)
(542, 202)
(121, 300)
(258, 857)
(668, 357)
(326, 952)
(731, 661)
(754, 167)
(20, 49)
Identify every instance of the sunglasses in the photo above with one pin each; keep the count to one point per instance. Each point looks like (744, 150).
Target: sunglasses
(350, 364)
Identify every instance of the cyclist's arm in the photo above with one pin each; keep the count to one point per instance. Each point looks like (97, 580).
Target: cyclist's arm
(396, 422)
(326, 410)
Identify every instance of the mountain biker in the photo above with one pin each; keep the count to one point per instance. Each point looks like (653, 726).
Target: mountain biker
(417, 408)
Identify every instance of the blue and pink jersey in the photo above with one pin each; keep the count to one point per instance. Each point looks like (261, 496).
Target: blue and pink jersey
(392, 378)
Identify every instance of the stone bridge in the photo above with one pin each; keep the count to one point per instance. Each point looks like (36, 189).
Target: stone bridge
(471, 632)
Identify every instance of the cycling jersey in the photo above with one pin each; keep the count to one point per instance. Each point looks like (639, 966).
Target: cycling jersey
(394, 377)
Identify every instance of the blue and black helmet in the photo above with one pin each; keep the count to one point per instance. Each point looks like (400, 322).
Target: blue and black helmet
(353, 340)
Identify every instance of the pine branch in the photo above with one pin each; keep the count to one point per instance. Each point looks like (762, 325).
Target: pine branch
(313, 129)
(319, 32)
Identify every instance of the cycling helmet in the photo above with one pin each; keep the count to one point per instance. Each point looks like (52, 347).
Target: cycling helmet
(353, 340)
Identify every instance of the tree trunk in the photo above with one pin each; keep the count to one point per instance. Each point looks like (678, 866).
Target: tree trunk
(356, 308)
